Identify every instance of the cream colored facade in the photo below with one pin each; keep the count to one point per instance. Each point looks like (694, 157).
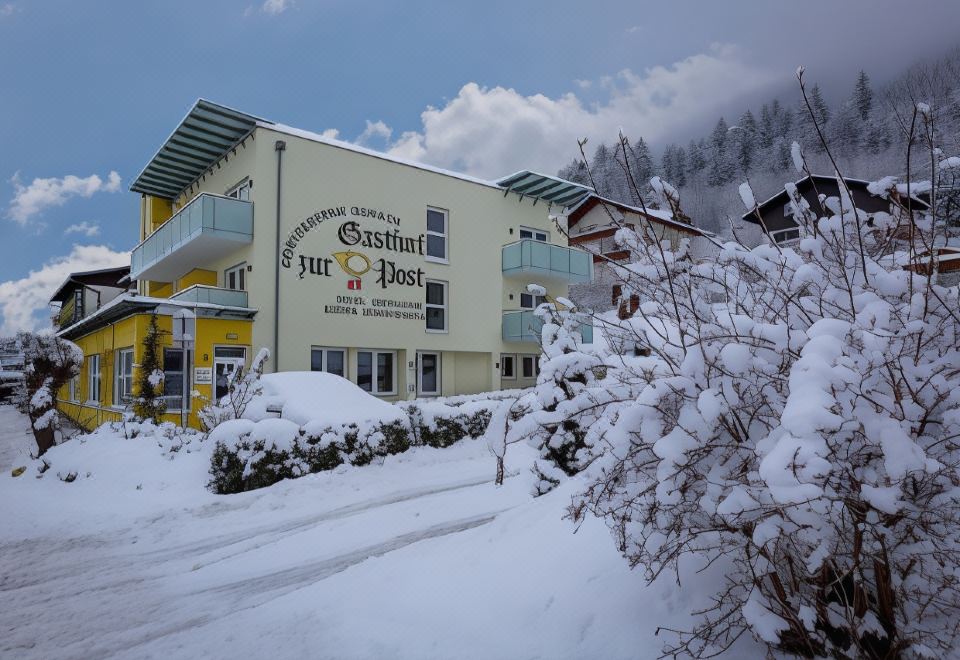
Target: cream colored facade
(353, 264)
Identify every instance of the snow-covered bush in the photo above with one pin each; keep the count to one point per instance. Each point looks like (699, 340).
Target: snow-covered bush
(49, 363)
(797, 419)
(440, 424)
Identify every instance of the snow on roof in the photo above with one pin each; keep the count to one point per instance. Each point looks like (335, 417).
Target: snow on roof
(661, 215)
(148, 301)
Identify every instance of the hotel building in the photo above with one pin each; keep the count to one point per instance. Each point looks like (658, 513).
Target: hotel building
(406, 279)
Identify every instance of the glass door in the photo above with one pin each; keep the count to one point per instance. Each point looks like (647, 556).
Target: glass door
(228, 365)
(428, 374)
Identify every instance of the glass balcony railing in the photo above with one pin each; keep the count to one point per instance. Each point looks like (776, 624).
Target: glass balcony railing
(525, 326)
(549, 261)
(212, 295)
(208, 227)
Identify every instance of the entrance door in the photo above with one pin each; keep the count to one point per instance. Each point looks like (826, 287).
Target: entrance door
(228, 364)
(428, 374)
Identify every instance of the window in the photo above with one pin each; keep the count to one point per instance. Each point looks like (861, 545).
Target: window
(508, 366)
(535, 234)
(785, 236)
(241, 191)
(123, 377)
(331, 360)
(428, 376)
(437, 221)
(93, 379)
(436, 306)
(530, 301)
(236, 278)
(174, 371)
(75, 388)
(530, 366)
(376, 372)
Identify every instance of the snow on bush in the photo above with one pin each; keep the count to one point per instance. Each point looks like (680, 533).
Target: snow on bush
(49, 363)
(326, 421)
(798, 416)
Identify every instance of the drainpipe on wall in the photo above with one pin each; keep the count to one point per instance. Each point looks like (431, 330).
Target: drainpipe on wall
(279, 146)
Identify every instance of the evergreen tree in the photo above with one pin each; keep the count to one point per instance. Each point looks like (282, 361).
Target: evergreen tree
(784, 121)
(820, 108)
(680, 166)
(721, 165)
(576, 172)
(149, 404)
(863, 95)
(641, 164)
(604, 169)
(767, 131)
(746, 142)
(696, 157)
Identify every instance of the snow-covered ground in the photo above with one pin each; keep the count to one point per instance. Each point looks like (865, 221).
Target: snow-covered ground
(418, 557)
(16, 440)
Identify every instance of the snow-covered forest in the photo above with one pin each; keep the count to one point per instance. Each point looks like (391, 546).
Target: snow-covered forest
(866, 130)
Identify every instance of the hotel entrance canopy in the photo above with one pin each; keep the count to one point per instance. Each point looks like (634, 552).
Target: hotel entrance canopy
(204, 136)
(544, 187)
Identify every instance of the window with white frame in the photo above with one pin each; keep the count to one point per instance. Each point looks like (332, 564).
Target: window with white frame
(75, 388)
(428, 374)
(530, 301)
(535, 234)
(376, 372)
(530, 366)
(175, 374)
(93, 379)
(436, 306)
(785, 236)
(508, 366)
(438, 221)
(241, 191)
(123, 377)
(331, 360)
(236, 278)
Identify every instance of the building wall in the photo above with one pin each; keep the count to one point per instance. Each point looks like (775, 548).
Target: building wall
(319, 310)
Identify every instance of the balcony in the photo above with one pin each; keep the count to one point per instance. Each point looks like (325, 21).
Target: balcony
(206, 229)
(524, 326)
(529, 257)
(212, 295)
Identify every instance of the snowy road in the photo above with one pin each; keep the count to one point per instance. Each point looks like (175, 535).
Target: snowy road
(421, 557)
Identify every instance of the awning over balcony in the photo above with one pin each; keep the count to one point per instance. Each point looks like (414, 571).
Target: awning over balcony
(544, 187)
(206, 229)
(203, 137)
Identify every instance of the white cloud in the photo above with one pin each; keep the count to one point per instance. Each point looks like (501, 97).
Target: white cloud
(374, 130)
(7, 9)
(274, 7)
(41, 194)
(85, 228)
(633, 29)
(23, 302)
(494, 131)
(331, 134)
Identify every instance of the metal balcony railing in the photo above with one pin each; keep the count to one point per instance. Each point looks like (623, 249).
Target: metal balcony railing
(549, 261)
(525, 326)
(212, 295)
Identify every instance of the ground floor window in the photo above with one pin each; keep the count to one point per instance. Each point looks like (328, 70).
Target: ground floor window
(331, 360)
(508, 365)
(175, 374)
(530, 366)
(93, 379)
(530, 301)
(376, 372)
(228, 365)
(123, 377)
(75, 388)
(428, 373)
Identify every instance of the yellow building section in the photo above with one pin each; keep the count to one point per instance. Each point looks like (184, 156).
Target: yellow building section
(154, 211)
(90, 411)
(197, 276)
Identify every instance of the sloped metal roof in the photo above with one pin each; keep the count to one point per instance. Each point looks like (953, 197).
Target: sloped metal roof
(203, 137)
(542, 186)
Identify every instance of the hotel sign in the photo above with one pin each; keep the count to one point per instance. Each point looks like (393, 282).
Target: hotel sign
(361, 242)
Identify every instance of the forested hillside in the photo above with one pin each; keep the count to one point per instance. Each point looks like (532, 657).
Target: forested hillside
(867, 132)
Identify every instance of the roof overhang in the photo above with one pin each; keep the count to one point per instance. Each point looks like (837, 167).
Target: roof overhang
(204, 136)
(544, 187)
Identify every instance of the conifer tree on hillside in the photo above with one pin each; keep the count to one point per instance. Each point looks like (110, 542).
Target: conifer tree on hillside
(641, 163)
(863, 95)
(696, 157)
(721, 165)
(746, 137)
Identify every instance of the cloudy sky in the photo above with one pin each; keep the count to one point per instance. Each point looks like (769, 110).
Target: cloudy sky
(88, 91)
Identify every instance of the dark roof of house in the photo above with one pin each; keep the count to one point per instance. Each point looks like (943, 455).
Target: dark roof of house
(115, 277)
(656, 215)
(804, 184)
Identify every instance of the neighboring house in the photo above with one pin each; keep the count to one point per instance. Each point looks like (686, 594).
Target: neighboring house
(11, 368)
(592, 225)
(406, 279)
(86, 292)
(778, 221)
